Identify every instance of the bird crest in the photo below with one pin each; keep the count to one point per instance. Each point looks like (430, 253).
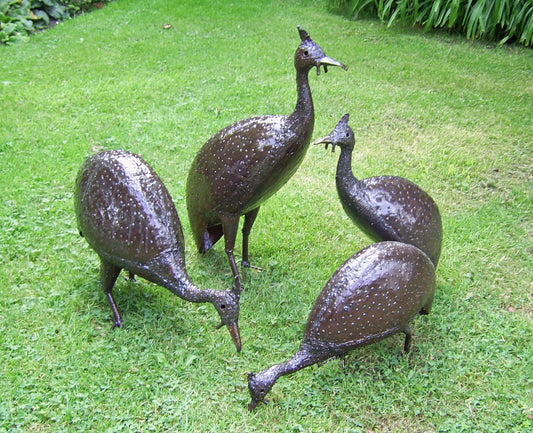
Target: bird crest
(304, 36)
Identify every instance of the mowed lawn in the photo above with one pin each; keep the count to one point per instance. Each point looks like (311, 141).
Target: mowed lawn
(454, 116)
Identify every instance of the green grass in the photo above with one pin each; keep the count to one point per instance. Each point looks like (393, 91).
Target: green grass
(454, 116)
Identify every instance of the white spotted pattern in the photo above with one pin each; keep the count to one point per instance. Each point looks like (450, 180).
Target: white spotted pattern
(123, 208)
(375, 293)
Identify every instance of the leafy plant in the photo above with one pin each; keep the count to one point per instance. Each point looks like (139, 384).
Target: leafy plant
(19, 18)
(44, 10)
(15, 22)
(499, 20)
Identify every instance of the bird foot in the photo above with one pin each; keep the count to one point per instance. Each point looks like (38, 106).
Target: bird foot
(246, 264)
(117, 324)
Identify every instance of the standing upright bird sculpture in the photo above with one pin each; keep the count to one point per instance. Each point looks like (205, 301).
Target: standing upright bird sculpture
(244, 164)
(127, 216)
(373, 295)
(385, 207)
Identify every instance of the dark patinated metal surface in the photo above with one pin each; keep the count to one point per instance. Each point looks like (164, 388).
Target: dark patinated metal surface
(242, 165)
(385, 207)
(373, 295)
(127, 216)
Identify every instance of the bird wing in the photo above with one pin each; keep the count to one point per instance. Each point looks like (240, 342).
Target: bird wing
(238, 161)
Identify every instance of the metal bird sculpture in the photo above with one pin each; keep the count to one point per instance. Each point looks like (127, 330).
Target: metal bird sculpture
(244, 164)
(385, 207)
(373, 295)
(127, 216)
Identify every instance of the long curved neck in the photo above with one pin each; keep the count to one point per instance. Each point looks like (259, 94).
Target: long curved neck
(344, 178)
(304, 105)
(183, 287)
(168, 270)
(301, 359)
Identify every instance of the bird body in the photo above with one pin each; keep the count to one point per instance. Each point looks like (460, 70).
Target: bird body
(251, 150)
(127, 216)
(373, 295)
(242, 165)
(385, 207)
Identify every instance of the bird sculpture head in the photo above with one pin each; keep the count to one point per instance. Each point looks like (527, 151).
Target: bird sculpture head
(310, 54)
(227, 304)
(341, 136)
(260, 385)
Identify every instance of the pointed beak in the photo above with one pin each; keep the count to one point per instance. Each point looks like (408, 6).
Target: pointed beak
(328, 61)
(325, 140)
(253, 404)
(235, 335)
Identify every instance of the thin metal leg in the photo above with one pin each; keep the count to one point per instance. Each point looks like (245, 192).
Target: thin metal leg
(230, 226)
(407, 343)
(108, 276)
(249, 220)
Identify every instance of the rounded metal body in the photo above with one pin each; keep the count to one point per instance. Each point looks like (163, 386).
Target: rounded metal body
(127, 216)
(375, 294)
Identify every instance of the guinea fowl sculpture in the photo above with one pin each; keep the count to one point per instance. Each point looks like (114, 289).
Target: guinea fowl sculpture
(242, 165)
(127, 216)
(385, 207)
(373, 295)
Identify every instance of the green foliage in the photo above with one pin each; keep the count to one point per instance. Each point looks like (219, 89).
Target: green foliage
(497, 20)
(15, 22)
(19, 18)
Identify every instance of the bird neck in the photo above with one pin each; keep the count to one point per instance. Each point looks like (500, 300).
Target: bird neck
(183, 287)
(301, 359)
(168, 270)
(344, 177)
(304, 105)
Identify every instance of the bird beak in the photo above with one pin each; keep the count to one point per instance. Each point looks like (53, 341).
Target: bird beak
(253, 404)
(235, 335)
(325, 140)
(328, 61)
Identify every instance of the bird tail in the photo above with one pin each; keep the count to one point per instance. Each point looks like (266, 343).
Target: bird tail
(210, 238)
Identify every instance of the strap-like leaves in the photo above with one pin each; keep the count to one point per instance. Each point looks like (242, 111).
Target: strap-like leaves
(499, 20)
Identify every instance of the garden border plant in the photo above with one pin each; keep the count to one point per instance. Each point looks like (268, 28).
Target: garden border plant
(20, 18)
(494, 20)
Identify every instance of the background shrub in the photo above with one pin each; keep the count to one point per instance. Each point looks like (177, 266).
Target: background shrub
(19, 18)
(497, 20)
